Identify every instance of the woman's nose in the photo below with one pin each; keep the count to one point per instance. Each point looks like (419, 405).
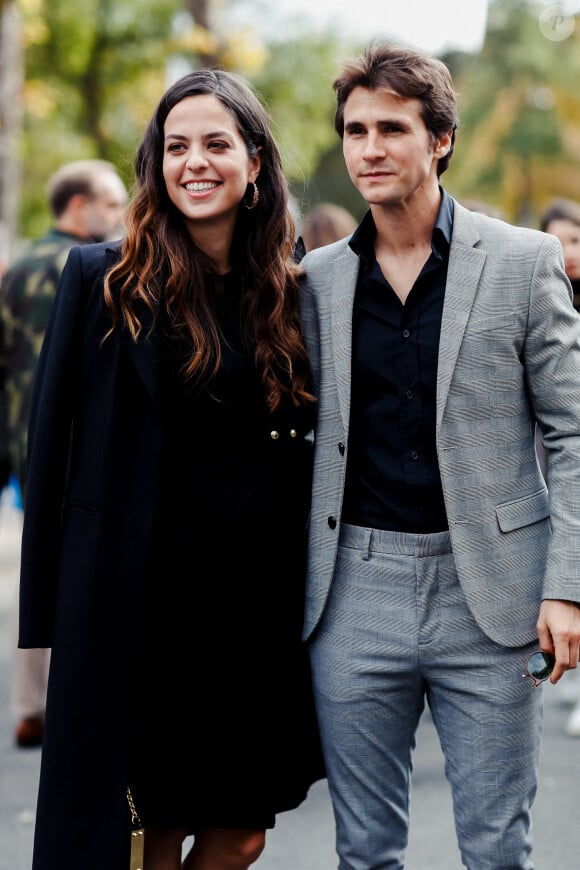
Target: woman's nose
(196, 159)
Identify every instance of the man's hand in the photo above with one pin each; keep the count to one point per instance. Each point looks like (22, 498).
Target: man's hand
(559, 633)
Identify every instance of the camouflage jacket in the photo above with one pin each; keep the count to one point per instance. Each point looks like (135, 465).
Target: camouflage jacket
(27, 292)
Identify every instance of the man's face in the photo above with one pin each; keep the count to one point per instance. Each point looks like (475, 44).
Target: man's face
(390, 156)
(104, 212)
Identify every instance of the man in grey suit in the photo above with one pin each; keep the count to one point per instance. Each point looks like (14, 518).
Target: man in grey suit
(439, 561)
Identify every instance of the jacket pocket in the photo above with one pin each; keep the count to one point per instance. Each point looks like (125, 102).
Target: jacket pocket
(488, 324)
(523, 511)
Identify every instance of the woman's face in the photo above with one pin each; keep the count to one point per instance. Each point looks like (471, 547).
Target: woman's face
(569, 234)
(206, 166)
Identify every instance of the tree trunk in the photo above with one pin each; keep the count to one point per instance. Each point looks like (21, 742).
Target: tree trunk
(200, 12)
(11, 79)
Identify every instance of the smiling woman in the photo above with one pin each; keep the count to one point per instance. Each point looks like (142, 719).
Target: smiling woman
(172, 427)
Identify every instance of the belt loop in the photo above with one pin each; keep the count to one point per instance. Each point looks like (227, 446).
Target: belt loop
(366, 546)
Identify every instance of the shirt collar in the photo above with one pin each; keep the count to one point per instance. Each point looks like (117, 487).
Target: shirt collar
(363, 239)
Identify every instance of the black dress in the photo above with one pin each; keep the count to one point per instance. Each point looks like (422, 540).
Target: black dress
(225, 734)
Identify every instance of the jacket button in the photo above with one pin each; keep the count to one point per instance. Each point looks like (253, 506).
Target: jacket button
(341, 448)
(274, 435)
(293, 433)
(332, 522)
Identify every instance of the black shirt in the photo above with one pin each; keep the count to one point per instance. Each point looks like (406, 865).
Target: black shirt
(392, 477)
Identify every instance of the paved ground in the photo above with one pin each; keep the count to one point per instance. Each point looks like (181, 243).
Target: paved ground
(303, 839)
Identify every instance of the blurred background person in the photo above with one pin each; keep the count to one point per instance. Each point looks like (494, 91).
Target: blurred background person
(562, 219)
(87, 199)
(326, 223)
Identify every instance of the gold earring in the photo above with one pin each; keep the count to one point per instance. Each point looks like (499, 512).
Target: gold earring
(255, 196)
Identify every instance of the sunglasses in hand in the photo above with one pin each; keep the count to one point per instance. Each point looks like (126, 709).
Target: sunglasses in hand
(539, 666)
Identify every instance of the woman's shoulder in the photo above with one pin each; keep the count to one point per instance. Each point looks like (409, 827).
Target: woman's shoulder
(89, 263)
(100, 254)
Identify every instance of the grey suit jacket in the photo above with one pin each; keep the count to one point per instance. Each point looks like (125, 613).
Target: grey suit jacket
(509, 354)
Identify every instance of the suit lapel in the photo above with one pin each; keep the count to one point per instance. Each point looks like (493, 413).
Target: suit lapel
(344, 278)
(463, 274)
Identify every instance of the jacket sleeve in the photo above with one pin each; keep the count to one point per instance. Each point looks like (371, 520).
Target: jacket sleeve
(552, 364)
(50, 426)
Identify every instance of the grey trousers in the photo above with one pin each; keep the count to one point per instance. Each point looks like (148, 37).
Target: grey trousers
(396, 631)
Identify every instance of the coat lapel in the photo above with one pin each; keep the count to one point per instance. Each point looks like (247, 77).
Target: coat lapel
(144, 353)
(463, 274)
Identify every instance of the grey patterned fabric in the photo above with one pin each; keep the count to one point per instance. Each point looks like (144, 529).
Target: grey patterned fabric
(509, 355)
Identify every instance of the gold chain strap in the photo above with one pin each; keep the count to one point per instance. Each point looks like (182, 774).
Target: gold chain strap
(137, 835)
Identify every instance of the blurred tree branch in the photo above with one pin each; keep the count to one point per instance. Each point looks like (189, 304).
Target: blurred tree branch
(11, 77)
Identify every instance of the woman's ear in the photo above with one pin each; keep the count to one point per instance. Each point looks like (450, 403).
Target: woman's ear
(255, 166)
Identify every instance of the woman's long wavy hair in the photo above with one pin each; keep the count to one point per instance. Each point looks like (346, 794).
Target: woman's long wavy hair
(162, 269)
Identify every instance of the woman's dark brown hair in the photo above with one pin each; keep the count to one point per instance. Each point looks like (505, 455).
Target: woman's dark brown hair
(410, 75)
(162, 269)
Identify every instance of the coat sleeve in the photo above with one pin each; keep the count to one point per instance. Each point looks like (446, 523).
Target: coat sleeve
(49, 432)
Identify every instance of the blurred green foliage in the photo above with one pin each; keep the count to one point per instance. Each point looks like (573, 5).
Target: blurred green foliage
(95, 70)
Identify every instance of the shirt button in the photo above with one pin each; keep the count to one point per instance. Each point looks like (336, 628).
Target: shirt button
(274, 435)
(293, 433)
(406, 333)
(409, 394)
(332, 522)
(414, 454)
(341, 448)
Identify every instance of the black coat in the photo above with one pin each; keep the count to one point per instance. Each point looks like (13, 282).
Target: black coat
(94, 455)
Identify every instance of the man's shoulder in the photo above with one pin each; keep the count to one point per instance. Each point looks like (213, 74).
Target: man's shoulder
(493, 234)
(320, 258)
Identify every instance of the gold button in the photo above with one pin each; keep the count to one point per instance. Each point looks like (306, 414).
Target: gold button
(274, 435)
(293, 433)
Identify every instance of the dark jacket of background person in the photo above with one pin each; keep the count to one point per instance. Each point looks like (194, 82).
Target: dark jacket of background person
(26, 302)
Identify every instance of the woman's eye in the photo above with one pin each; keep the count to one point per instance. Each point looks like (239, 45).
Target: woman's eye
(218, 146)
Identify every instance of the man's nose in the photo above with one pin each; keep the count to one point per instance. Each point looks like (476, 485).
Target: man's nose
(374, 146)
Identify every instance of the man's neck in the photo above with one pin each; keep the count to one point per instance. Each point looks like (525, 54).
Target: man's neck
(407, 225)
(403, 240)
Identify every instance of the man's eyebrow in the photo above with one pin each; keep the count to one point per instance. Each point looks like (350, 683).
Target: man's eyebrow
(350, 124)
(382, 122)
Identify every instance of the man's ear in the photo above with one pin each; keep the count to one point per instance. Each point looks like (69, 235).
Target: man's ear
(444, 144)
